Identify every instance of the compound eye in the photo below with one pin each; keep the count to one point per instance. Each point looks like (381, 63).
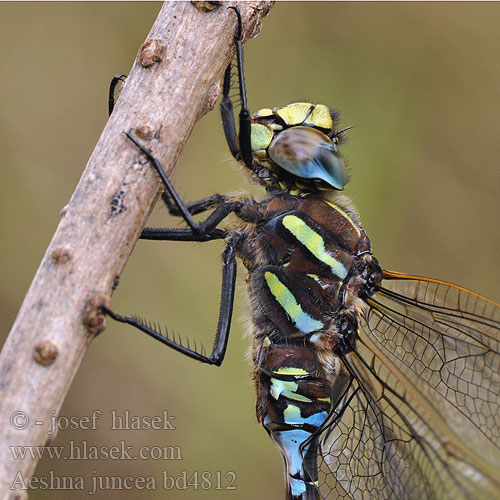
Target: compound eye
(309, 154)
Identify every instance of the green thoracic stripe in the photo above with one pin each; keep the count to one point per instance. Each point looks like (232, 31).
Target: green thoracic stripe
(314, 243)
(303, 321)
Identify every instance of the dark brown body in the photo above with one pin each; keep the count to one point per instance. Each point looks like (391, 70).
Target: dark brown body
(304, 257)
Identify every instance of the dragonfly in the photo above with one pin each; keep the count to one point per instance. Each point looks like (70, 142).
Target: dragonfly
(372, 383)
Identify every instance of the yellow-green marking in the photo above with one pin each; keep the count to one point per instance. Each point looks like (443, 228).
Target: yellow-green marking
(303, 321)
(314, 243)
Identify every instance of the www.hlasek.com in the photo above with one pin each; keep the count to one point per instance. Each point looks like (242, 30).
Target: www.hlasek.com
(83, 451)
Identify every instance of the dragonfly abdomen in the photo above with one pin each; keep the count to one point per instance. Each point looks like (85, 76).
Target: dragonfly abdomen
(293, 402)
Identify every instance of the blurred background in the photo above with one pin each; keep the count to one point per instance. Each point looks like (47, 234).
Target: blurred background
(421, 84)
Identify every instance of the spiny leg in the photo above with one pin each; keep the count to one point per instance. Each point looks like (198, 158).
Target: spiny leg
(225, 315)
(204, 231)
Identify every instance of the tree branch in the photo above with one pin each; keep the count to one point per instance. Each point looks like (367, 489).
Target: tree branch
(173, 83)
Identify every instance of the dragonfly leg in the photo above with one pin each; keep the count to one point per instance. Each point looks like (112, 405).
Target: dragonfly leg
(195, 207)
(180, 234)
(244, 152)
(204, 231)
(212, 220)
(223, 327)
(112, 88)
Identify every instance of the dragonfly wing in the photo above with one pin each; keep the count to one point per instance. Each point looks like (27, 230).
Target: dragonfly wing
(422, 419)
(357, 450)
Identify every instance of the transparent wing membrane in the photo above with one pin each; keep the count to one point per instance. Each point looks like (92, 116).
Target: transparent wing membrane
(421, 419)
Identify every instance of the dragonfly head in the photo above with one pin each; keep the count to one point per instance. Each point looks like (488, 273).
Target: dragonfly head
(299, 145)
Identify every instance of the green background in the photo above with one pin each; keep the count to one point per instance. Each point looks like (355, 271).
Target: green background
(421, 83)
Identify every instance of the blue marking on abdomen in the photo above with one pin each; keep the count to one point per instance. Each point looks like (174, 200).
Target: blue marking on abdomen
(290, 442)
(297, 486)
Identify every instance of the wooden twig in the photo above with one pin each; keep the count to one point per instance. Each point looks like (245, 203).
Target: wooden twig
(173, 83)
